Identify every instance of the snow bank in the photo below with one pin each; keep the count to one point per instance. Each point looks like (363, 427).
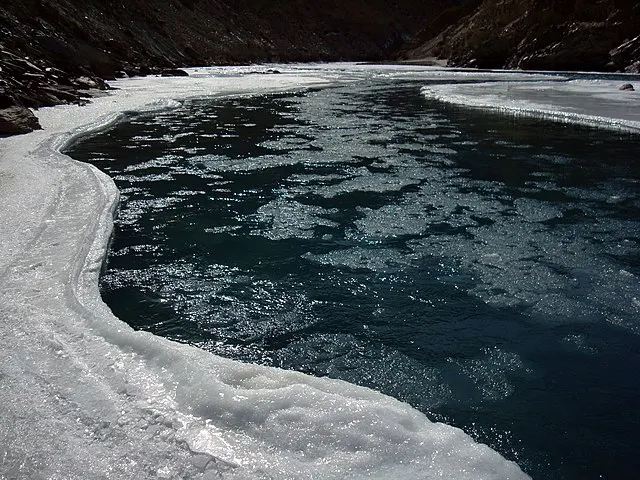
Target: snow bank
(595, 102)
(84, 396)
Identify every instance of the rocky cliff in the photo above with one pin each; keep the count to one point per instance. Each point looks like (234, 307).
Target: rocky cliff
(595, 35)
(50, 50)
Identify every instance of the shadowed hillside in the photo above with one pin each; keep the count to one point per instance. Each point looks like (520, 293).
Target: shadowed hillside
(51, 48)
(600, 35)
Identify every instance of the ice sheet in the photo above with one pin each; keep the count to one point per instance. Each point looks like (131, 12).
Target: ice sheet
(84, 396)
(595, 102)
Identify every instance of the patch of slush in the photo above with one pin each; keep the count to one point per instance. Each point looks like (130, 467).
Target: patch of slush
(489, 374)
(366, 181)
(85, 396)
(374, 259)
(291, 219)
(393, 221)
(529, 259)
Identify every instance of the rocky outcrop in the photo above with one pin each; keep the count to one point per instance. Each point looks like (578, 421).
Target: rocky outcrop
(173, 72)
(16, 120)
(626, 57)
(37, 83)
(26, 83)
(598, 35)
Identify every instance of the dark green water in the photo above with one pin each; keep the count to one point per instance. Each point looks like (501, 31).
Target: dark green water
(483, 269)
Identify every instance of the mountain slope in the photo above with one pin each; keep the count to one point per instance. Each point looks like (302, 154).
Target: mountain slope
(51, 48)
(600, 35)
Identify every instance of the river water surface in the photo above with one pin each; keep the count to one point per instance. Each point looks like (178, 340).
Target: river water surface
(482, 268)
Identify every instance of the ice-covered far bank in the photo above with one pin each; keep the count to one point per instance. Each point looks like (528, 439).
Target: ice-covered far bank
(594, 102)
(84, 396)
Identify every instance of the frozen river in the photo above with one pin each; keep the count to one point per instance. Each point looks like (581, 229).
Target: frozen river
(351, 223)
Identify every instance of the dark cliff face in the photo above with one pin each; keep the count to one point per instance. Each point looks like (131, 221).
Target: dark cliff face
(597, 35)
(49, 49)
(104, 35)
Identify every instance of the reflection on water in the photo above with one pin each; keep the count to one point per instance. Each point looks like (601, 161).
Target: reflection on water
(481, 268)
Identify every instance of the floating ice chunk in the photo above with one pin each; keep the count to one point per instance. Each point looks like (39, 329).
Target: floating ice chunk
(375, 259)
(392, 220)
(367, 182)
(291, 219)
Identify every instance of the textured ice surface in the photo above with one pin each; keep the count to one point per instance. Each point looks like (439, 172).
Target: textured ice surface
(84, 396)
(596, 102)
(291, 219)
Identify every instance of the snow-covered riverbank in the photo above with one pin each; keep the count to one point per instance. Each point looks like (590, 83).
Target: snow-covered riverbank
(84, 396)
(597, 102)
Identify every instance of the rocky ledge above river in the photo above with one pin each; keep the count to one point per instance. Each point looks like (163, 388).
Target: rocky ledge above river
(587, 35)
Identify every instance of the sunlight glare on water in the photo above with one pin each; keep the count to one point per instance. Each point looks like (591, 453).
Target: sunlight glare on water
(483, 269)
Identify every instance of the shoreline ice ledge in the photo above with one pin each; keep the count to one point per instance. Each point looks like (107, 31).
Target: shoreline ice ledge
(594, 102)
(85, 396)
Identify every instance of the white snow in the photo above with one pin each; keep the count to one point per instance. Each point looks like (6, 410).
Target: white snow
(83, 396)
(596, 102)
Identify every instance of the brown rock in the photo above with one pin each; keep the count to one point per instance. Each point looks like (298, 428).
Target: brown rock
(17, 120)
(67, 95)
(173, 72)
(626, 86)
(6, 100)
